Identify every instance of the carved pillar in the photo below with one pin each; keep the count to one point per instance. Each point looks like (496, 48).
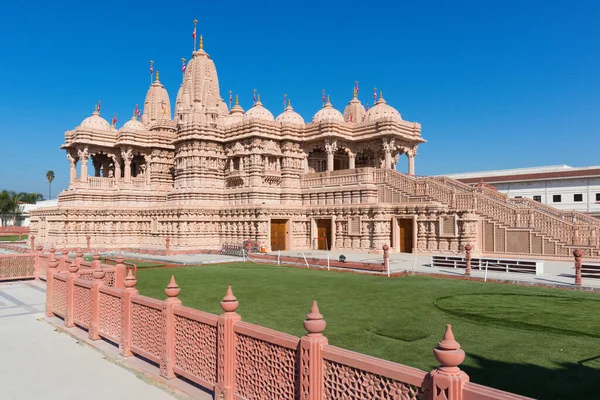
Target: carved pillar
(73, 167)
(127, 157)
(388, 147)
(351, 160)
(411, 160)
(84, 156)
(330, 149)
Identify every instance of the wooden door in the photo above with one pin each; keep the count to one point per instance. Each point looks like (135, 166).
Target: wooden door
(323, 234)
(278, 234)
(406, 235)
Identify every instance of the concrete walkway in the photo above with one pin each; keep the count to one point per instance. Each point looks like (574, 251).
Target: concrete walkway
(40, 363)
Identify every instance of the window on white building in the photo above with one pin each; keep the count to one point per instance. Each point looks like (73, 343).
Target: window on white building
(597, 196)
(537, 198)
(578, 197)
(556, 198)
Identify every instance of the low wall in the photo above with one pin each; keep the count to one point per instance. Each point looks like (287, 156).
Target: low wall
(239, 360)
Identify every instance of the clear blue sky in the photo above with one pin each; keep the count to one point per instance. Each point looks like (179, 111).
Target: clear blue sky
(495, 84)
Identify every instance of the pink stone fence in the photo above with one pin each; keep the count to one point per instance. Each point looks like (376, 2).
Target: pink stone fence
(239, 360)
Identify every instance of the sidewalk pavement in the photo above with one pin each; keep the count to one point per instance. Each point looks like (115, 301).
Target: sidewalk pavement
(40, 363)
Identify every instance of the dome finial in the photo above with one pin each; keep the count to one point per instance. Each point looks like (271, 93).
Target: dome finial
(237, 100)
(381, 94)
(328, 99)
(201, 43)
(356, 89)
(259, 97)
(289, 102)
(157, 80)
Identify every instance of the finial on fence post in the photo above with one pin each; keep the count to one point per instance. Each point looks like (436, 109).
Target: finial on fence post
(78, 257)
(468, 250)
(314, 322)
(32, 240)
(63, 259)
(448, 377)
(229, 303)
(130, 281)
(386, 258)
(172, 290)
(578, 256)
(120, 273)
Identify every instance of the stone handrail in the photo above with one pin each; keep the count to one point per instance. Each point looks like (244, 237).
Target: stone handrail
(100, 182)
(17, 266)
(570, 228)
(235, 359)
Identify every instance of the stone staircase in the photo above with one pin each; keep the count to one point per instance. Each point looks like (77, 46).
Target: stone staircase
(566, 229)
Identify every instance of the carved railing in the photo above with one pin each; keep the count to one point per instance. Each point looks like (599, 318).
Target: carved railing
(337, 178)
(17, 266)
(239, 360)
(100, 182)
(138, 183)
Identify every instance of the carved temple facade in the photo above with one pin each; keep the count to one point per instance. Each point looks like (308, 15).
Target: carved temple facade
(212, 175)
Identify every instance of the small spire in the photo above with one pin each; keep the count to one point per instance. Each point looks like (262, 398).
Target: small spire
(201, 43)
(229, 303)
(259, 97)
(237, 100)
(157, 80)
(172, 289)
(289, 103)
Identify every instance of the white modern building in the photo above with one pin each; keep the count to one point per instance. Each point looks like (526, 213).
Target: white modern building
(560, 186)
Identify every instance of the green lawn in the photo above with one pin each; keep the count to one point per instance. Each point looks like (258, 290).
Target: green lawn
(543, 343)
(12, 238)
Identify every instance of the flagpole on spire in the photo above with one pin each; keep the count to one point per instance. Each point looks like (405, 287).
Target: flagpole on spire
(194, 33)
(151, 70)
(284, 101)
(374, 95)
(356, 89)
(182, 68)
(254, 97)
(323, 98)
(230, 99)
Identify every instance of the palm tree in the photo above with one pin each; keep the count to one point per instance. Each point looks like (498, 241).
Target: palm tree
(9, 206)
(50, 177)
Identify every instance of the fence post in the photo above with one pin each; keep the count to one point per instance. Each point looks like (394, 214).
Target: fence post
(468, 250)
(52, 265)
(36, 272)
(120, 273)
(226, 347)
(386, 259)
(98, 275)
(32, 241)
(63, 260)
(168, 361)
(448, 379)
(96, 261)
(128, 292)
(78, 258)
(311, 355)
(578, 256)
(72, 274)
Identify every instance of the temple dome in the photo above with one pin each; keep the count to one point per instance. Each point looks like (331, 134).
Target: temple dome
(133, 125)
(328, 113)
(259, 112)
(96, 122)
(157, 105)
(382, 110)
(289, 116)
(354, 111)
(235, 115)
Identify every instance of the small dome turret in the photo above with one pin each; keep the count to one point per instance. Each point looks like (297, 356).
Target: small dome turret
(328, 113)
(133, 125)
(382, 110)
(95, 122)
(259, 112)
(235, 115)
(289, 116)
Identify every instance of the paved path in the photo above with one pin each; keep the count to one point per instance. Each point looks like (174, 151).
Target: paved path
(40, 363)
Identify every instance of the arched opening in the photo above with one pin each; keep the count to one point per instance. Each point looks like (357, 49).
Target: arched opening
(365, 158)
(317, 161)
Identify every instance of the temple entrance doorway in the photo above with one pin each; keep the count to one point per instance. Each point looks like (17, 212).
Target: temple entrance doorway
(278, 234)
(323, 237)
(405, 235)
